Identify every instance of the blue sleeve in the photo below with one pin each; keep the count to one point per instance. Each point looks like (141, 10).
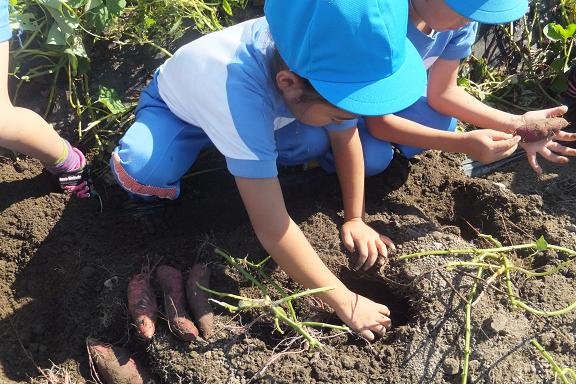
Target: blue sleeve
(342, 126)
(460, 44)
(5, 31)
(252, 151)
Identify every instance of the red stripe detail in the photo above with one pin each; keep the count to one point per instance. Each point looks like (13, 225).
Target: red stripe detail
(131, 185)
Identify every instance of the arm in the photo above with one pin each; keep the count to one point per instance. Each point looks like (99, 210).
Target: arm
(447, 97)
(282, 238)
(356, 234)
(482, 145)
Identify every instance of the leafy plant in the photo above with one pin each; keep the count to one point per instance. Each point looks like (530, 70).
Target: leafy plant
(274, 307)
(492, 264)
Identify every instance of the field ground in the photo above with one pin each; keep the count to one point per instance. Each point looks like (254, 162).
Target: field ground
(65, 266)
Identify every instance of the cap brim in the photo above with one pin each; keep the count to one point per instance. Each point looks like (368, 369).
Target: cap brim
(392, 94)
(491, 11)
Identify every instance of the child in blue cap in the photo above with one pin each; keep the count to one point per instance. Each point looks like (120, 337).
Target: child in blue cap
(276, 91)
(24, 131)
(443, 31)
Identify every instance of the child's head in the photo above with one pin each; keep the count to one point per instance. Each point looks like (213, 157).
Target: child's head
(352, 55)
(444, 15)
(305, 103)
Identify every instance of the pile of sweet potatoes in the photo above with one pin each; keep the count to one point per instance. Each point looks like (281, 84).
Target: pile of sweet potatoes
(177, 297)
(114, 364)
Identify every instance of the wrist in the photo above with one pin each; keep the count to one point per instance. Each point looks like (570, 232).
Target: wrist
(354, 218)
(338, 298)
(513, 123)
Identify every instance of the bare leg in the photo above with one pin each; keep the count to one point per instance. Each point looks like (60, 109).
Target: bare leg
(21, 129)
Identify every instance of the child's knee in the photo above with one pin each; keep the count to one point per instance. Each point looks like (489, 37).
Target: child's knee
(131, 169)
(376, 162)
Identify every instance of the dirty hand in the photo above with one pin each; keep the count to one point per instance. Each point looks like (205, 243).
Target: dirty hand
(487, 145)
(364, 316)
(548, 149)
(541, 114)
(372, 247)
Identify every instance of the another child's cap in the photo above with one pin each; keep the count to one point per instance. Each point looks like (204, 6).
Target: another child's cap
(355, 53)
(490, 11)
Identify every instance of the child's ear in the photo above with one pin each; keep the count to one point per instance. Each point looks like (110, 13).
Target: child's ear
(287, 81)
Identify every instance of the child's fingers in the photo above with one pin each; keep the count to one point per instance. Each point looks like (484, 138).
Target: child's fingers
(565, 136)
(372, 256)
(562, 149)
(386, 322)
(389, 244)
(500, 136)
(382, 249)
(362, 255)
(506, 147)
(534, 163)
(382, 309)
(556, 111)
(367, 334)
(348, 241)
(553, 157)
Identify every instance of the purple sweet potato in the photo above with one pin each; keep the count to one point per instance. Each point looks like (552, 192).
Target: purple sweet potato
(198, 299)
(172, 285)
(543, 129)
(142, 305)
(115, 365)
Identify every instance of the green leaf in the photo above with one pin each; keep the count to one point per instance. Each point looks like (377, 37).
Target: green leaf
(570, 31)
(551, 32)
(541, 244)
(226, 7)
(109, 97)
(67, 22)
(559, 84)
(56, 36)
(24, 21)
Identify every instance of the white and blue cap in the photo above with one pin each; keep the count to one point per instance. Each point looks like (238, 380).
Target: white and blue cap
(490, 11)
(354, 52)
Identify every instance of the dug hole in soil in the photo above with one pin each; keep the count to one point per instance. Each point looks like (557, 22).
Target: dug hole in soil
(65, 266)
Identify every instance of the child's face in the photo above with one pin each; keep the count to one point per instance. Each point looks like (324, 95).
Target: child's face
(314, 113)
(438, 15)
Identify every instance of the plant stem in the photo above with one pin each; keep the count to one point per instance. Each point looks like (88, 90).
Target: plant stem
(557, 370)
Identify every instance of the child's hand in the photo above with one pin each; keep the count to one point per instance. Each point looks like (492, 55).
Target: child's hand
(372, 247)
(548, 149)
(487, 146)
(364, 316)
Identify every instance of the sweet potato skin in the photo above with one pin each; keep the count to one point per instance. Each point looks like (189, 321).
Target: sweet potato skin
(198, 299)
(172, 284)
(115, 365)
(142, 305)
(543, 129)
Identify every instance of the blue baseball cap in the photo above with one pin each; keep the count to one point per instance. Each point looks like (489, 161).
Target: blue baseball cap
(490, 11)
(355, 53)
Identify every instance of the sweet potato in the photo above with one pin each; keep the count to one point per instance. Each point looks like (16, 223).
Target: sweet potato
(172, 285)
(543, 129)
(198, 299)
(142, 305)
(114, 365)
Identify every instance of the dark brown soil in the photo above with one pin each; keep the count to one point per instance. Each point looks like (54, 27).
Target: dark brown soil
(65, 267)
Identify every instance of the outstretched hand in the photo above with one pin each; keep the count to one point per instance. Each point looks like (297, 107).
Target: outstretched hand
(549, 148)
(371, 247)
